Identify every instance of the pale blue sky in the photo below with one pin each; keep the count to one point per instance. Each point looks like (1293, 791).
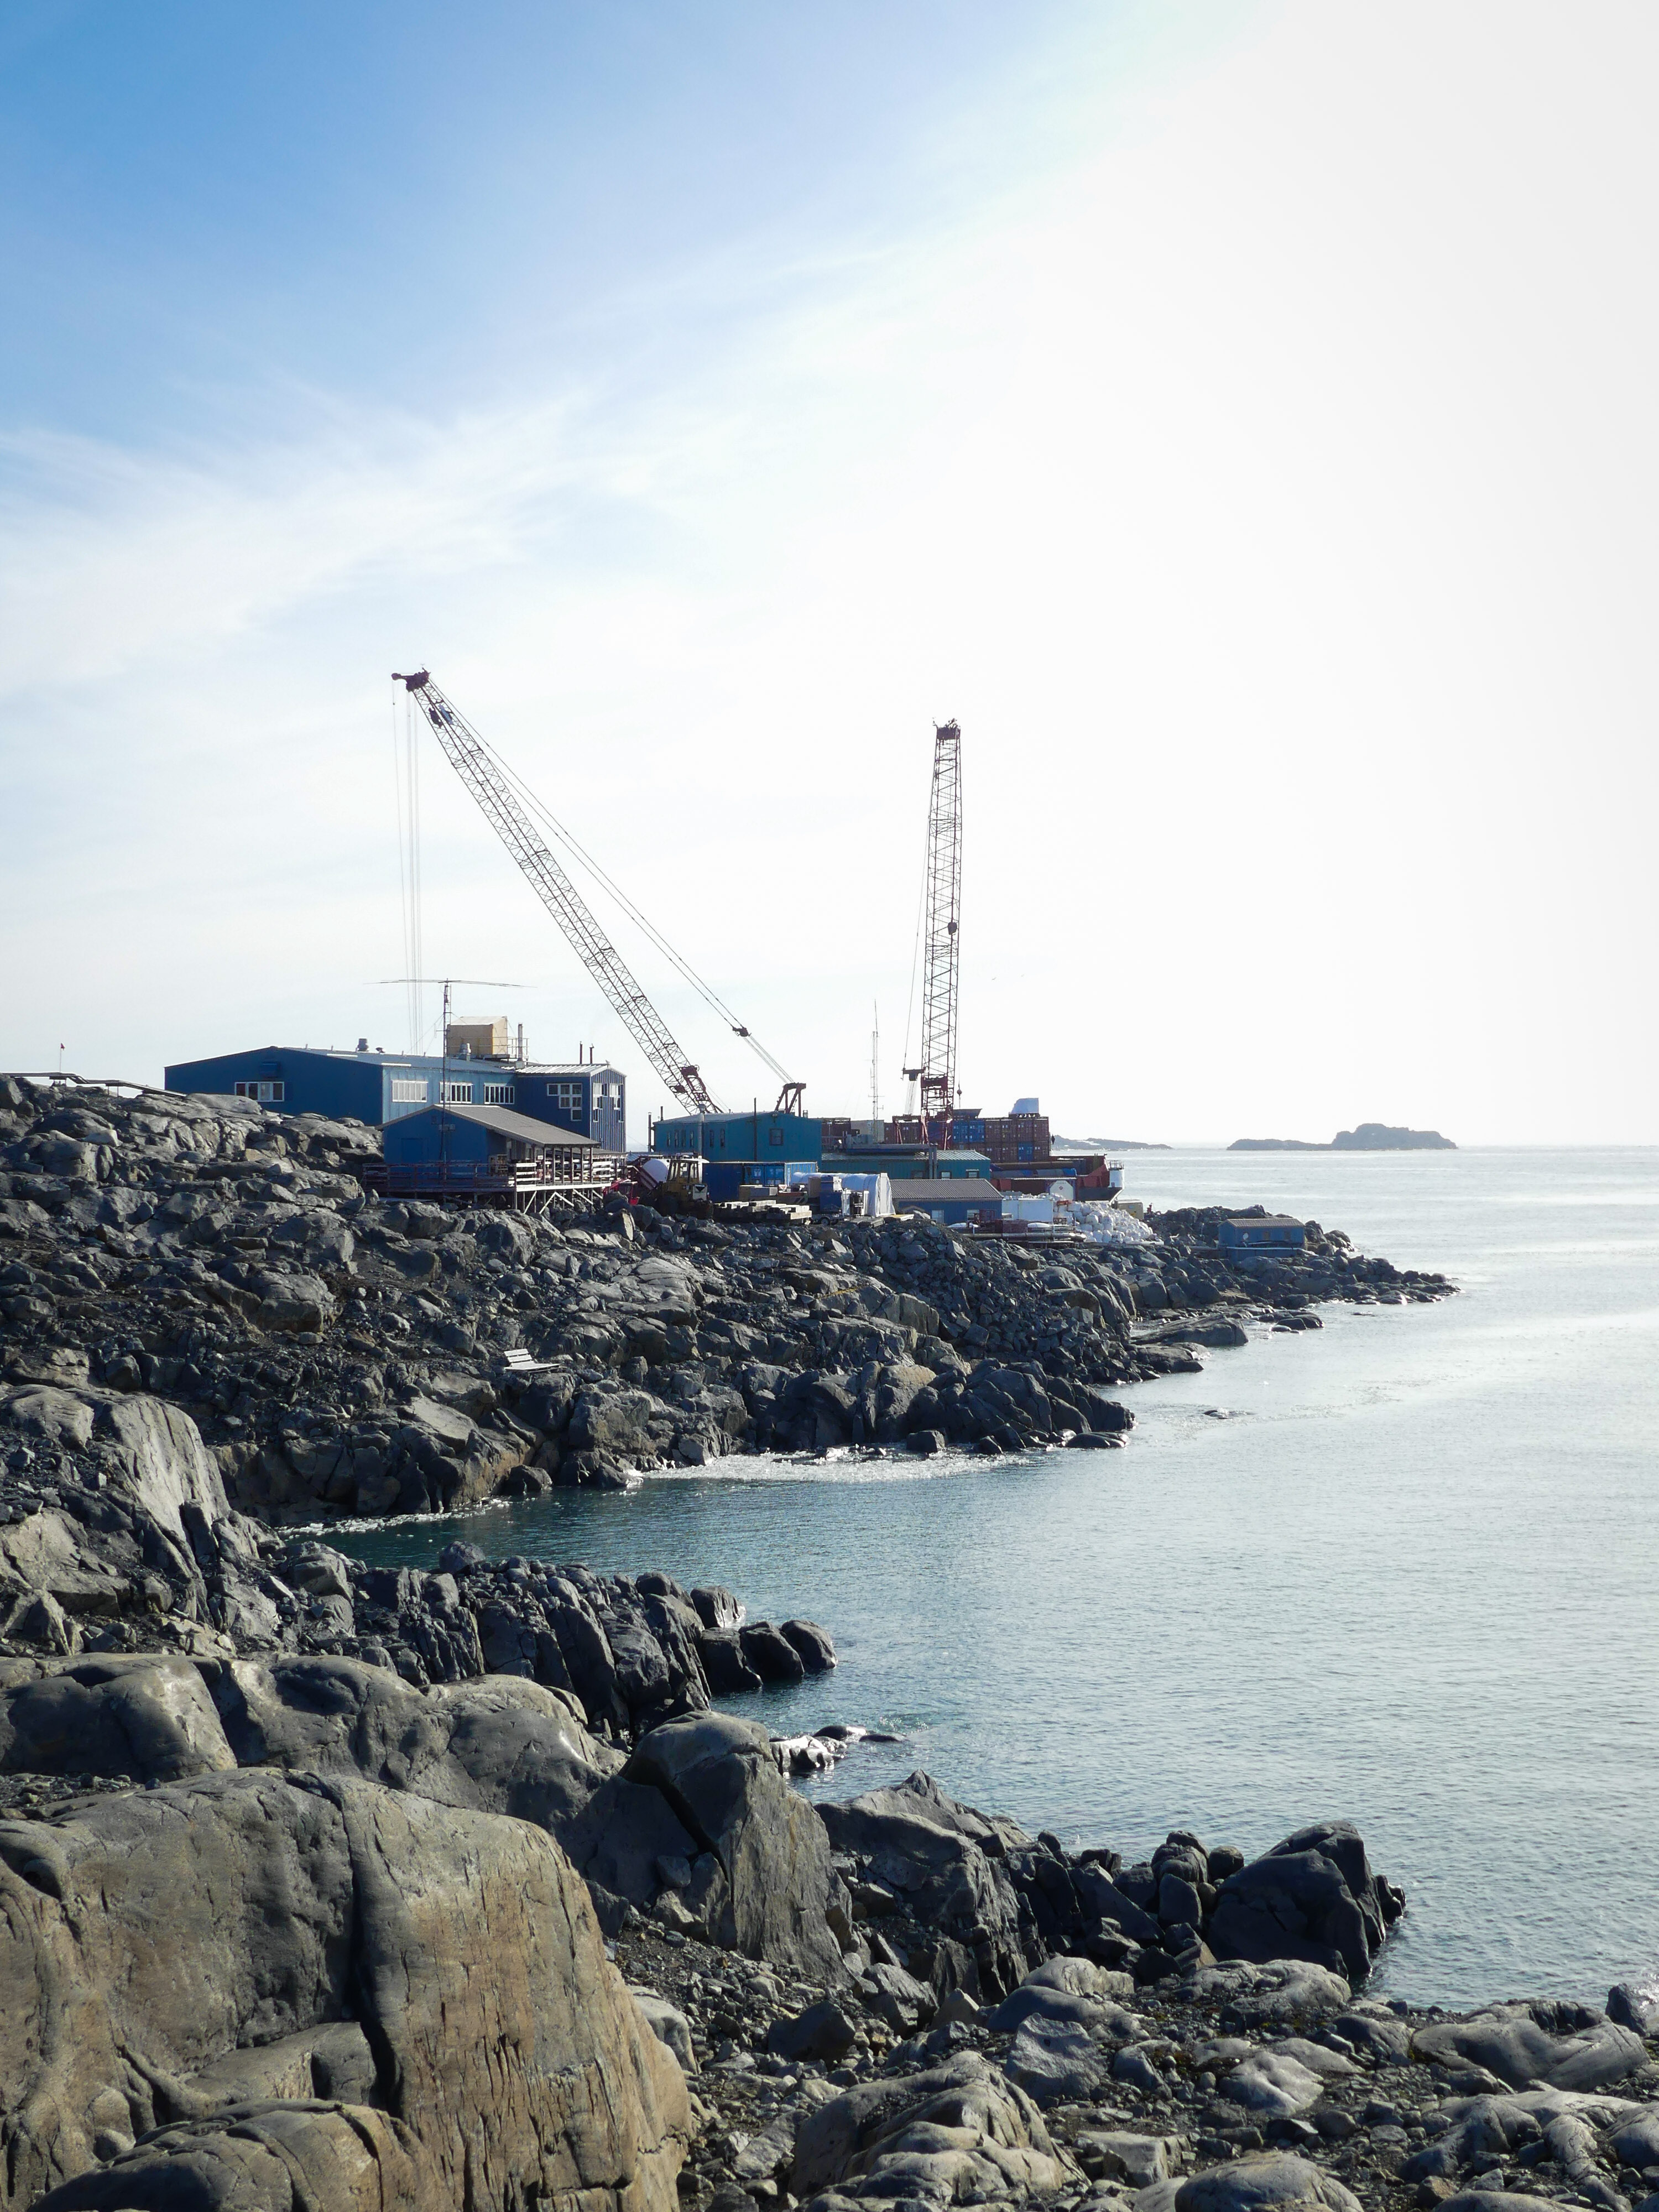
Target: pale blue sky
(1238, 413)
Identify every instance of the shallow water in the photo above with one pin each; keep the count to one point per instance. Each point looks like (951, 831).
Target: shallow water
(1409, 1579)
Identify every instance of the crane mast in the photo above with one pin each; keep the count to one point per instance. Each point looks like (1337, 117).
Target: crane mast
(944, 909)
(470, 757)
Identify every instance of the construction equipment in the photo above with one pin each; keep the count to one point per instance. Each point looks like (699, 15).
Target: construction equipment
(509, 812)
(937, 1072)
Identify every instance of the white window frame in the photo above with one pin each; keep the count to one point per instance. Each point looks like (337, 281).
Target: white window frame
(268, 1091)
(410, 1090)
(498, 1094)
(457, 1094)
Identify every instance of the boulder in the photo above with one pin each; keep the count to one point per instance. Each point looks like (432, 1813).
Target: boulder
(771, 1654)
(668, 2024)
(1251, 2185)
(947, 1862)
(1633, 2005)
(147, 1938)
(724, 1662)
(501, 1745)
(1272, 2082)
(1312, 1897)
(264, 2157)
(1056, 2061)
(824, 2031)
(1507, 2041)
(147, 1719)
(1282, 1992)
(813, 1644)
(721, 1782)
(961, 2131)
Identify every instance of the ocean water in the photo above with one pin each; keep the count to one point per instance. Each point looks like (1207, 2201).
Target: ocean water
(1404, 1570)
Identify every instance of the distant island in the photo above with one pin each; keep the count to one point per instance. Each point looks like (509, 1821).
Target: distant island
(1369, 1137)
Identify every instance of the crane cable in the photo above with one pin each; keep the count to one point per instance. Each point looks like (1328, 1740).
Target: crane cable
(584, 860)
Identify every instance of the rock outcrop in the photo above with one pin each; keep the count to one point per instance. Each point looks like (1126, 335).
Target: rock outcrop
(334, 1355)
(169, 1955)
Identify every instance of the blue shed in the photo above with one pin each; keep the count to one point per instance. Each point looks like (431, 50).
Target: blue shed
(468, 1136)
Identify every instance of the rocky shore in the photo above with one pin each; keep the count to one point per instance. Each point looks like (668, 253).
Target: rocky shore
(341, 1357)
(327, 1886)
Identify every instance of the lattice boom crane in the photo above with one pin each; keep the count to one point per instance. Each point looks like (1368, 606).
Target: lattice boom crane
(937, 1070)
(471, 759)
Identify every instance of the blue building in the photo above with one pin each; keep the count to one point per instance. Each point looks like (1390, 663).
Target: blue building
(380, 1087)
(1246, 1233)
(752, 1138)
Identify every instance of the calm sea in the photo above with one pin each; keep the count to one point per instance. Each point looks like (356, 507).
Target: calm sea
(1401, 1571)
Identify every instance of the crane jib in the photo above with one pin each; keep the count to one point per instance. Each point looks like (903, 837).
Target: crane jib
(467, 754)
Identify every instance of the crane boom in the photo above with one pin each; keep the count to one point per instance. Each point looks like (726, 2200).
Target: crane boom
(938, 998)
(470, 757)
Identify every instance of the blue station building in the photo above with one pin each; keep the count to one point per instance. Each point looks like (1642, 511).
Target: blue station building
(380, 1087)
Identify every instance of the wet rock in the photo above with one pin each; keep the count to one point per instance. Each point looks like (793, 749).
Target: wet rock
(771, 1654)
(813, 1644)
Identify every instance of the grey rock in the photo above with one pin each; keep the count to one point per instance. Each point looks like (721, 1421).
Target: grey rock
(771, 1654)
(1251, 2185)
(668, 2024)
(148, 1718)
(722, 1783)
(1634, 2006)
(961, 2130)
(1313, 1897)
(1056, 2061)
(824, 2031)
(1271, 2082)
(148, 1936)
(1509, 2043)
(817, 1650)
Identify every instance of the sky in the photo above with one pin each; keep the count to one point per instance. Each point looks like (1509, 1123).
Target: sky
(1237, 414)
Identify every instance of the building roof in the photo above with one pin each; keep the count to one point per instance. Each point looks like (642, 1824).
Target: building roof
(502, 1121)
(1264, 1221)
(381, 1058)
(945, 1190)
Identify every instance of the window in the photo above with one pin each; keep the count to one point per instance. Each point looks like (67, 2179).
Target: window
(269, 1094)
(566, 1096)
(408, 1091)
(459, 1094)
(498, 1094)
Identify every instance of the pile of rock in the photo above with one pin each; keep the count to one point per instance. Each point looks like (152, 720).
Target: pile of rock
(341, 1356)
(968, 1901)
